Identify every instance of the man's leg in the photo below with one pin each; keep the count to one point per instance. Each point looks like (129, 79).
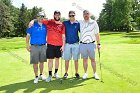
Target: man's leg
(93, 64)
(42, 58)
(92, 49)
(84, 54)
(35, 67)
(85, 64)
(34, 59)
(56, 64)
(67, 58)
(66, 66)
(76, 66)
(76, 69)
(50, 66)
(41, 66)
(76, 56)
(50, 57)
(57, 56)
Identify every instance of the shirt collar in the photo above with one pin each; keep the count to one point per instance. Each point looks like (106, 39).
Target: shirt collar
(90, 20)
(73, 22)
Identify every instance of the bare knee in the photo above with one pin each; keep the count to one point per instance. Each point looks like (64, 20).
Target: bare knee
(93, 60)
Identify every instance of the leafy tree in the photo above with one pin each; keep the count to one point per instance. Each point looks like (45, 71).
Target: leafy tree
(5, 20)
(35, 11)
(116, 16)
(105, 21)
(63, 19)
(23, 20)
(92, 17)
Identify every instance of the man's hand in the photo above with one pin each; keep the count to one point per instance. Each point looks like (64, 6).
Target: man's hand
(62, 48)
(31, 23)
(98, 46)
(28, 48)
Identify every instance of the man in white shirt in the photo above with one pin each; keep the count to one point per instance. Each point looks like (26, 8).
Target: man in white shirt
(89, 33)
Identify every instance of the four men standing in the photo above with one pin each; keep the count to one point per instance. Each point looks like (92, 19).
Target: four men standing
(58, 33)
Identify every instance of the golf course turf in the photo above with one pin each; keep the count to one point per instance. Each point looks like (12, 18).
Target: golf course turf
(120, 59)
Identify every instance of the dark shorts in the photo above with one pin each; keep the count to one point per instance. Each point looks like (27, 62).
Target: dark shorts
(53, 51)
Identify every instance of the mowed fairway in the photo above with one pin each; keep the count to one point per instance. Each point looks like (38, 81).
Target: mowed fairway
(120, 57)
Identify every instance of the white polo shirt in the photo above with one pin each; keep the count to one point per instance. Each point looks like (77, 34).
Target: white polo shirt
(88, 30)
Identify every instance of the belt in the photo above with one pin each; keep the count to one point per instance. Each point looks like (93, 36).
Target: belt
(87, 43)
(72, 43)
(38, 44)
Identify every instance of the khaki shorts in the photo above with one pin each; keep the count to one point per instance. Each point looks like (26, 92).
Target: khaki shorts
(38, 54)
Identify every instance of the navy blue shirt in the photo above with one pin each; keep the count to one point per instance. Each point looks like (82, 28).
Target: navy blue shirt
(72, 31)
(37, 34)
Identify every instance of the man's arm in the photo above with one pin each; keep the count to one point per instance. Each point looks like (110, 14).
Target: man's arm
(97, 38)
(31, 23)
(46, 38)
(64, 39)
(97, 35)
(27, 42)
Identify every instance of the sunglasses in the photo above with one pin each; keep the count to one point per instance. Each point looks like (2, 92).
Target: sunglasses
(41, 16)
(86, 13)
(71, 15)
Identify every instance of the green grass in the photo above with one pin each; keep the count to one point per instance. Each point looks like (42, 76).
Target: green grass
(120, 57)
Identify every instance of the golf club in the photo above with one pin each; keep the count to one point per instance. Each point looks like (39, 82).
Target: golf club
(71, 67)
(61, 69)
(100, 65)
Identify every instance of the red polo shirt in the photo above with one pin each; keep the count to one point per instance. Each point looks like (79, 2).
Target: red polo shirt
(55, 31)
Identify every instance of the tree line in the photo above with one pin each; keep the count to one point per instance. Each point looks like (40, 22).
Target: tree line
(120, 15)
(116, 15)
(14, 21)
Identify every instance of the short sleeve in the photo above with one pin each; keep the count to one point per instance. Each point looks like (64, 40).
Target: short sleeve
(29, 30)
(45, 22)
(96, 27)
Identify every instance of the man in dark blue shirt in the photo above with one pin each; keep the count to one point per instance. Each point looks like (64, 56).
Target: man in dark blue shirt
(37, 47)
(72, 43)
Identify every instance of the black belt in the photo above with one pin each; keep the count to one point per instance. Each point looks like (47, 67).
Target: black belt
(87, 43)
(72, 43)
(38, 44)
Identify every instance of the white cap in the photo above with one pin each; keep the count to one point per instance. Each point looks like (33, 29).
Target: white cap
(41, 14)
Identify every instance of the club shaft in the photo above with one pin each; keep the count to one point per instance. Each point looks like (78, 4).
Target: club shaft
(100, 64)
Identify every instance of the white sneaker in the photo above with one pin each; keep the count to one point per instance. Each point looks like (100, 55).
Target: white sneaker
(56, 76)
(96, 76)
(49, 79)
(41, 77)
(85, 76)
(36, 80)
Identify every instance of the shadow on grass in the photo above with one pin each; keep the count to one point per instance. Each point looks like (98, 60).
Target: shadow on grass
(110, 33)
(29, 86)
(132, 35)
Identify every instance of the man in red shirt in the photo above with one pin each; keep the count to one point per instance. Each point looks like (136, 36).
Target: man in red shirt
(55, 42)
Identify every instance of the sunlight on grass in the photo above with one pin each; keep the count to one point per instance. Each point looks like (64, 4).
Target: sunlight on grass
(120, 56)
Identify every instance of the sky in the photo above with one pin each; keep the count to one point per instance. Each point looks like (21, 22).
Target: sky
(64, 6)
